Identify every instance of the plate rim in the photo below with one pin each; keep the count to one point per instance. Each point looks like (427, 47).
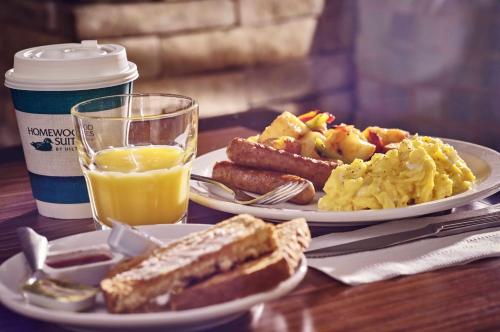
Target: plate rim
(13, 301)
(367, 217)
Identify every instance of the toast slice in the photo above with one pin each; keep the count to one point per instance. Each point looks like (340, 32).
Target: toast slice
(170, 268)
(294, 238)
(255, 276)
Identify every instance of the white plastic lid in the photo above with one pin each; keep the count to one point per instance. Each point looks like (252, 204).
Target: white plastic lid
(64, 67)
(130, 241)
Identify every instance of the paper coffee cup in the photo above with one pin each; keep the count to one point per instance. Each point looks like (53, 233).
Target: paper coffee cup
(45, 83)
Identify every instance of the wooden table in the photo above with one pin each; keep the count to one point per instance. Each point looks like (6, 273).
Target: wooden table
(457, 298)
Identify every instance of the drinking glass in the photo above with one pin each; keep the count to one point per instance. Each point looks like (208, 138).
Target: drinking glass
(136, 151)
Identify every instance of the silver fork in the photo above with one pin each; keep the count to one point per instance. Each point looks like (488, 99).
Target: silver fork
(278, 195)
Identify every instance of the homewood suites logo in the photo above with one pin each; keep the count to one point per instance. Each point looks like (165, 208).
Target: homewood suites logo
(53, 139)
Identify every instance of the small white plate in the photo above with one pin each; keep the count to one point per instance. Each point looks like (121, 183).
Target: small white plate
(15, 270)
(484, 162)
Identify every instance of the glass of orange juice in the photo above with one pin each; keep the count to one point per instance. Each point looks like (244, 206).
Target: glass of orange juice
(136, 151)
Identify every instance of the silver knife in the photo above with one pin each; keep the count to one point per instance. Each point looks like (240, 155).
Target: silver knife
(460, 225)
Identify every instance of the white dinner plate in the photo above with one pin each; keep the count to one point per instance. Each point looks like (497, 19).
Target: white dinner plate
(15, 270)
(484, 162)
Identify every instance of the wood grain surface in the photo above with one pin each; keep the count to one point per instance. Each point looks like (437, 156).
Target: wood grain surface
(453, 299)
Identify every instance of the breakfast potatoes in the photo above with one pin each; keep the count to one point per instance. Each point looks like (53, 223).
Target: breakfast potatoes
(286, 124)
(308, 135)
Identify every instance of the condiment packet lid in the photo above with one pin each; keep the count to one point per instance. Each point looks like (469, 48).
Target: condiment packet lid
(130, 241)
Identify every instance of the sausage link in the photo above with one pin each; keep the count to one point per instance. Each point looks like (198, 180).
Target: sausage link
(245, 153)
(259, 181)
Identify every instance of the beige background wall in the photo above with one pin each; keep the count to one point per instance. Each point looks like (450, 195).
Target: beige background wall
(232, 55)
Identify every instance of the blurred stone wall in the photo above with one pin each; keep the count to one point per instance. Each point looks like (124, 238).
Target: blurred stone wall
(231, 55)
(431, 66)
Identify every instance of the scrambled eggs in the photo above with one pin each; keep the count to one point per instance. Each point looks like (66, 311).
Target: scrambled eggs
(421, 169)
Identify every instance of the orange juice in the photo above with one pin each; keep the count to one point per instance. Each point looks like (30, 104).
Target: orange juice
(139, 185)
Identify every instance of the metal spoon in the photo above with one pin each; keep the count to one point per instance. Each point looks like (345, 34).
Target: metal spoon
(35, 248)
(43, 291)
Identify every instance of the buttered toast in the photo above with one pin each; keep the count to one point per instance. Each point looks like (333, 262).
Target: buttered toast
(176, 265)
(235, 258)
(254, 276)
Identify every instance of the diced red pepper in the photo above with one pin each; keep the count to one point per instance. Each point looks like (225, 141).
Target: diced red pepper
(308, 116)
(376, 140)
(331, 118)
